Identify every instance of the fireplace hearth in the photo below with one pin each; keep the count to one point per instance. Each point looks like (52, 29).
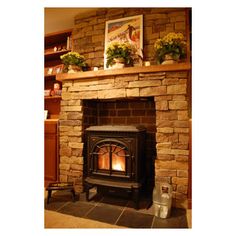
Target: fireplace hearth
(116, 159)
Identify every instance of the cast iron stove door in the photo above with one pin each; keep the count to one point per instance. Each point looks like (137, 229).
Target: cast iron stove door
(110, 157)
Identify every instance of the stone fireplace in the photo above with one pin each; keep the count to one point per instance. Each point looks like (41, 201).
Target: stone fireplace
(156, 97)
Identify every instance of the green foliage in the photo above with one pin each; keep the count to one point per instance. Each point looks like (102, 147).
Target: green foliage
(119, 50)
(172, 43)
(73, 58)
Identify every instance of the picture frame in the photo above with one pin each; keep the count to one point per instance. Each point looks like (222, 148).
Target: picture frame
(49, 71)
(127, 29)
(57, 69)
(45, 114)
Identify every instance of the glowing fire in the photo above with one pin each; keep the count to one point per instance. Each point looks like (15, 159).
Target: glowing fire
(117, 167)
(117, 155)
(118, 160)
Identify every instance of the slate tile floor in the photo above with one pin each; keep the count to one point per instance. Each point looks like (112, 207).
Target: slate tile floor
(116, 211)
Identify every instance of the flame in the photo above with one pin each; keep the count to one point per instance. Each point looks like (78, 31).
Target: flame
(117, 167)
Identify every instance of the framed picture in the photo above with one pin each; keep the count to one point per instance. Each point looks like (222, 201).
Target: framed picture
(128, 29)
(49, 71)
(45, 114)
(58, 69)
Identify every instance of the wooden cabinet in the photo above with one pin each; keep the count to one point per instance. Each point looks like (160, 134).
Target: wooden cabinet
(51, 150)
(56, 44)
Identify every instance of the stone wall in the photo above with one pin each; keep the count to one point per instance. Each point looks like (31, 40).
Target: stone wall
(89, 32)
(169, 93)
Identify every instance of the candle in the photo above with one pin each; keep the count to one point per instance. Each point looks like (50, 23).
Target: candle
(95, 68)
(68, 43)
(147, 63)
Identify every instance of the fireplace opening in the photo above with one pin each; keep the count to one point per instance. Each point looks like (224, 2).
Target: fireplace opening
(111, 157)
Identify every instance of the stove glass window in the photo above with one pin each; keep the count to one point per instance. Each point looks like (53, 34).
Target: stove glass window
(111, 156)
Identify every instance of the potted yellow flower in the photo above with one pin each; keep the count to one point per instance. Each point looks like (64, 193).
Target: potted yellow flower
(170, 48)
(73, 62)
(119, 53)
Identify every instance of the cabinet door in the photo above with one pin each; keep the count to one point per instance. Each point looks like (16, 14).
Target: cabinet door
(50, 156)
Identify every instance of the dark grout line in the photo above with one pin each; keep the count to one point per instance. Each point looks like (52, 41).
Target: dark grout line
(62, 206)
(124, 208)
(153, 219)
(85, 215)
(95, 205)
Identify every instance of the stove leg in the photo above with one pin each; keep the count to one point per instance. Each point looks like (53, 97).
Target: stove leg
(87, 191)
(49, 195)
(73, 194)
(136, 197)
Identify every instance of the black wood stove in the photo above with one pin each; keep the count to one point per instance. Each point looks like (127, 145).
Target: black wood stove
(115, 159)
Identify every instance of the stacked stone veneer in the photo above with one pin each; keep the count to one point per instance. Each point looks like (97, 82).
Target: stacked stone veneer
(89, 31)
(169, 91)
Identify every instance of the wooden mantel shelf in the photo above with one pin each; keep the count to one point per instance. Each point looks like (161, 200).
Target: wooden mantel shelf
(127, 70)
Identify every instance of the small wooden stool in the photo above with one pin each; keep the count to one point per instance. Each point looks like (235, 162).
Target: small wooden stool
(60, 186)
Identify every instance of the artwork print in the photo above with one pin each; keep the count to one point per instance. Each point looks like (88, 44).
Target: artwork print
(128, 29)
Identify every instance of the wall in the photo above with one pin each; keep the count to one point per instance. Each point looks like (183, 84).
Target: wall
(89, 30)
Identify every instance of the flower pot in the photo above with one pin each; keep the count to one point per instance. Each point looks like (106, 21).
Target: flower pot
(119, 63)
(170, 59)
(73, 69)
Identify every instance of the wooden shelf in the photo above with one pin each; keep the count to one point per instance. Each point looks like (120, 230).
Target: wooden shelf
(55, 55)
(52, 76)
(54, 38)
(126, 70)
(52, 97)
(51, 121)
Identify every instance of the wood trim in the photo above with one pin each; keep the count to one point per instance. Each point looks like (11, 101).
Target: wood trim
(56, 54)
(58, 32)
(127, 70)
(51, 121)
(51, 150)
(52, 97)
(190, 167)
(188, 34)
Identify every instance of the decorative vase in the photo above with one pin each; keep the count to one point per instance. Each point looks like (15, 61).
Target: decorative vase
(119, 63)
(170, 59)
(73, 69)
